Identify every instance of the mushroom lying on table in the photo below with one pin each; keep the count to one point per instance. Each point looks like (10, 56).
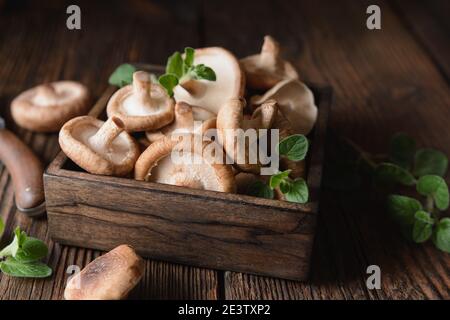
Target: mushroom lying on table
(201, 171)
(211, 95)
(295, 101)
(99, 147)
(231, 118)
(266, 69)
(47, 107)
(185, 116)
(143, 105)
(109, 277)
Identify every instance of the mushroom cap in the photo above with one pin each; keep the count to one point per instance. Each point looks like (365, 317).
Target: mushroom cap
(231, 118)
(109, 277)
(118, 160)
(45, 108)
(295, 101)
(142, 105)
(211, 95)
(266, 69)
(201, 172)
(185, 115)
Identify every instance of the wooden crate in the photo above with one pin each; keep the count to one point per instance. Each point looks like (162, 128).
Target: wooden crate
(195, 227)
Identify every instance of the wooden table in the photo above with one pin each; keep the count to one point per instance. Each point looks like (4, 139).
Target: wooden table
(389, 80)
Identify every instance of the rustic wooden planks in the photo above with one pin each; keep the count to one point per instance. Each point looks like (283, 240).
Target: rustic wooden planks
(39, 49)
(382, 80)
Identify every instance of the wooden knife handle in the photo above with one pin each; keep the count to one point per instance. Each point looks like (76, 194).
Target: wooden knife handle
(25, 169)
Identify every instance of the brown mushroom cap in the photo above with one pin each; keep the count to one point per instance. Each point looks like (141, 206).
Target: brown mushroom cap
(211, 95)
(185, 116)
(230, 118)
(156, 164)
(45, 108)
(266, 69)
(295, 101)
(109, 277)
(142, 105)
(99, 147)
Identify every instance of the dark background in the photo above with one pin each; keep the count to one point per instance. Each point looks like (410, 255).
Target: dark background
(385, 81)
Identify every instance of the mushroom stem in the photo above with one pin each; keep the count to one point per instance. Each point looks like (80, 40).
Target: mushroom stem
(47, 91)
(142, 85)
(184, 117)
(270, 52)
(263, 117)
(193, 87)
(106, 134)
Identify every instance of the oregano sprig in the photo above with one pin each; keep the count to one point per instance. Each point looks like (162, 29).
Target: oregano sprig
(180, 70)
(294, 148)
(21, 258)
(420, 218)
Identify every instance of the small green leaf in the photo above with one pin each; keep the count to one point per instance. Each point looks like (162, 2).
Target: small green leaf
(15, 268)
(401, 150)
(13, 247)
(390, 172)
(285, 186)
(441, 236)
(168, 81)
(403, 209)
(122, 76)
(276, 179)
(31, 250)
(188, 58)
(429, 161)
(202, 72)
(2, 227)
(423, 226)
(435, 187)
(260, 189)
(294, 147)
(298, 192)
(175, 65)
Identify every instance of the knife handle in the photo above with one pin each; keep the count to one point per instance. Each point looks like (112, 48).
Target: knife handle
(25, 169)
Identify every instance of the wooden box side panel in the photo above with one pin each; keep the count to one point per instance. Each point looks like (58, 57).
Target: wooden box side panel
(190, 230)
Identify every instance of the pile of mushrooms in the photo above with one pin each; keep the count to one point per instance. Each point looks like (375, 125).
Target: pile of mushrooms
(111, 148)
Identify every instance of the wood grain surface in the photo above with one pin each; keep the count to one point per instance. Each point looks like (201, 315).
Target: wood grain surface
(389, 80)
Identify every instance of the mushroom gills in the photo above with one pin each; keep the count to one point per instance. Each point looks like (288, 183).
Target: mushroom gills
(198, 175)
(116, 152)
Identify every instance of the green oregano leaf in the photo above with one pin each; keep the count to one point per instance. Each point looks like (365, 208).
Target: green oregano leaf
(403, 209)
(423, 226)
(188, 58)
(429, 161)
(15, 268)
(390, 172)
(175, 65)
(201, 72)
(435, 187)
(298, 191)
(294, 147)
(276, 179)
(122, 76)
(168, 81)
(260, 189)
(441, 236)
(31, 250)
